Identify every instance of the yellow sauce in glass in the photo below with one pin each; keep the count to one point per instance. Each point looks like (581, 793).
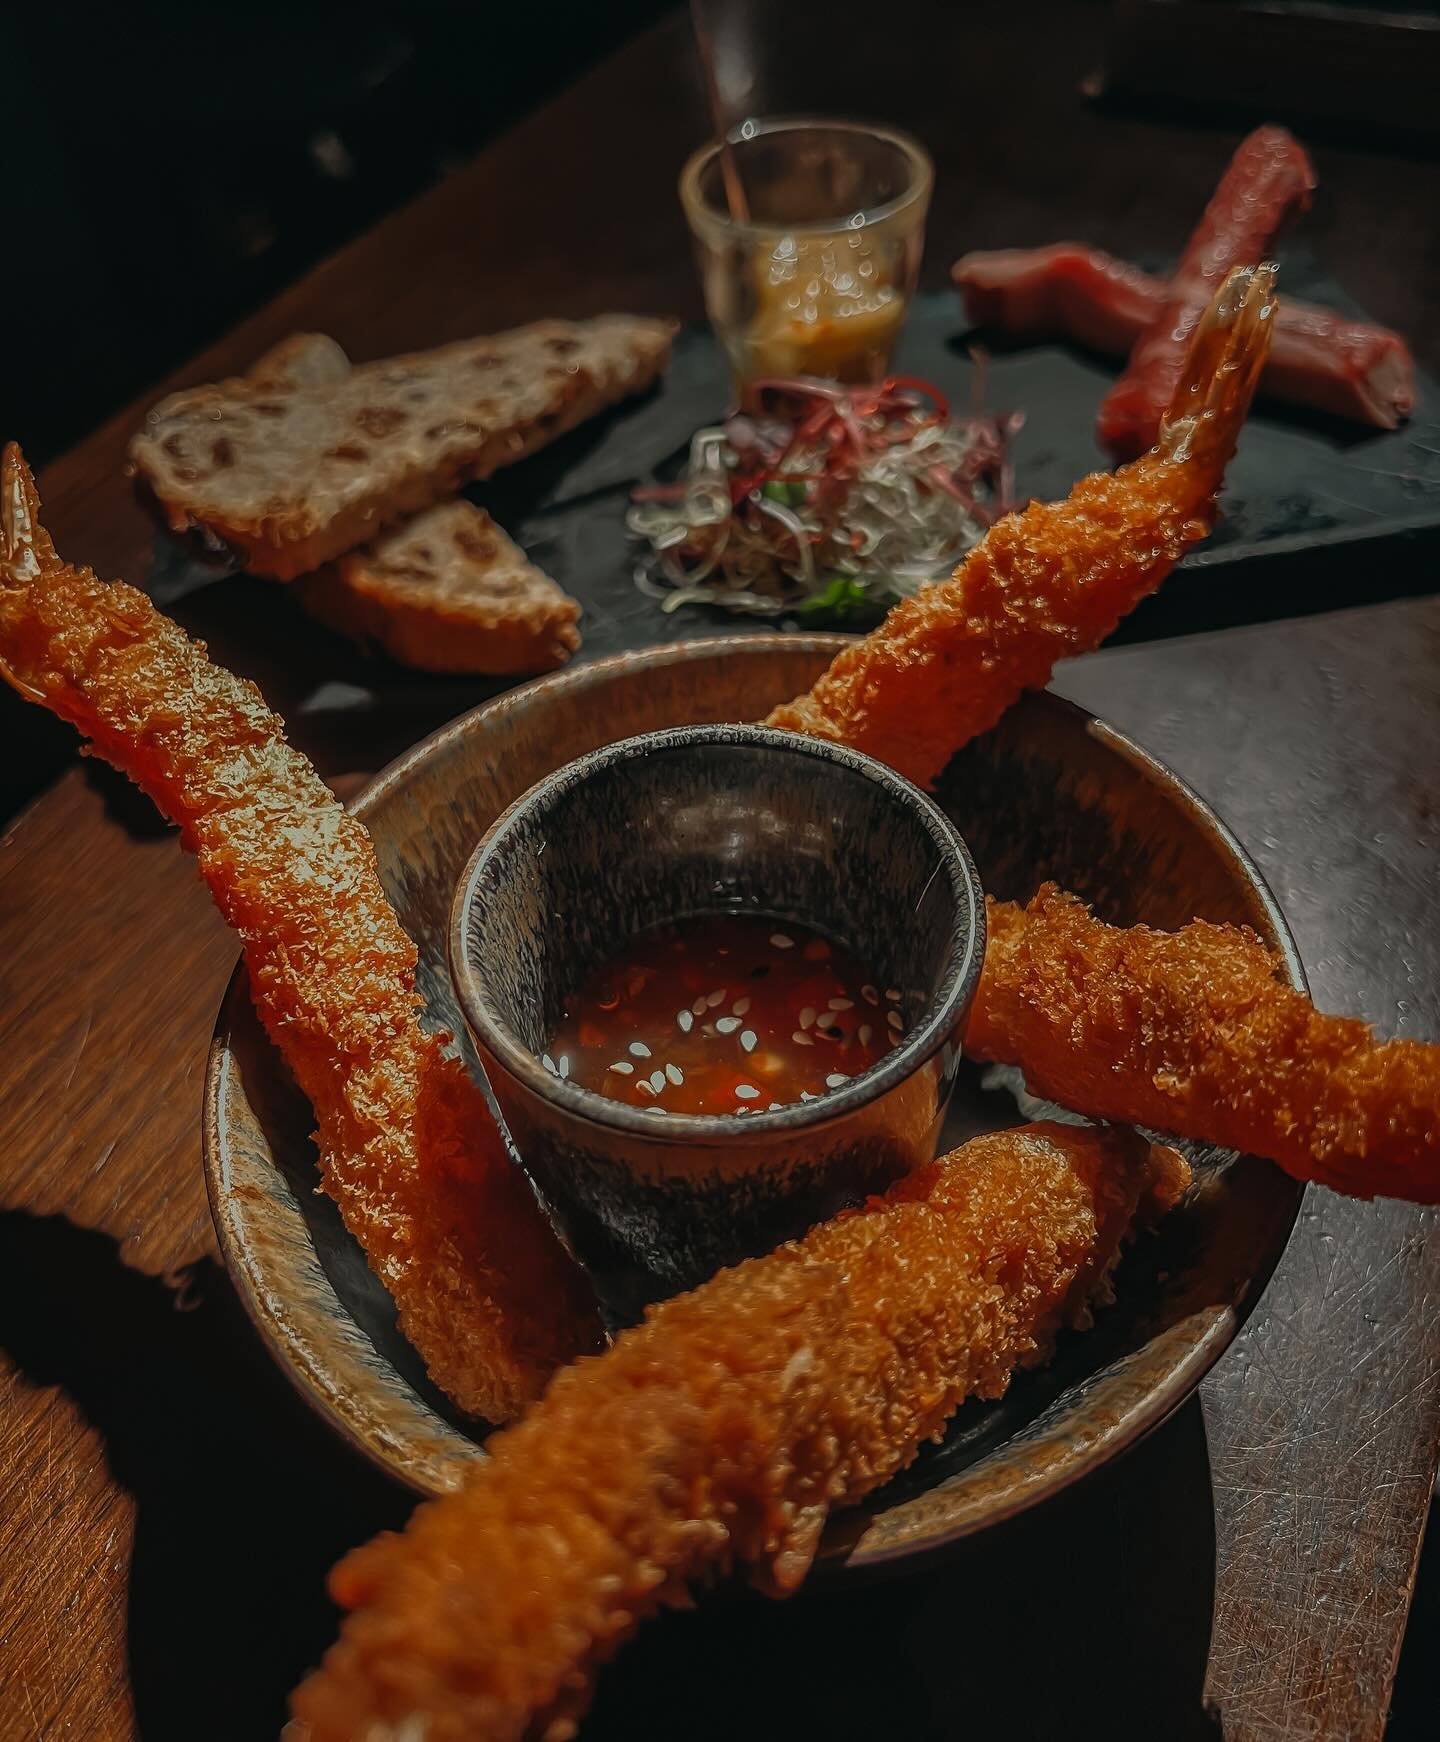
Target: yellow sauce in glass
(824, 306)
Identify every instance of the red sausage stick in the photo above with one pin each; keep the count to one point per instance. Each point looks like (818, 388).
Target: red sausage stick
(1318, 359)
(1268, 179)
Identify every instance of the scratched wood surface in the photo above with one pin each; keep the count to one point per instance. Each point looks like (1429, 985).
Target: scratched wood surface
(168, 1508)
(1317, 742)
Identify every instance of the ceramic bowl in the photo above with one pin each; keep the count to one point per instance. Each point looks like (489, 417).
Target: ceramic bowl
(1051, 792)
(680, 822)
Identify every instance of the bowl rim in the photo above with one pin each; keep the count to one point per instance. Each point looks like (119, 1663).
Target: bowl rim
(945, 1010)
(431, 1470)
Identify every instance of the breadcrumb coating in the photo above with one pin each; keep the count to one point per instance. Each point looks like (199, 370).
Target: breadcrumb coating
(1193, 1032)
(407, 1146)
(1052, 580)
(721, 1431)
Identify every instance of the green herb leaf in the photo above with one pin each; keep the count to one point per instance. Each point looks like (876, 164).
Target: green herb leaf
(792, 495)
(843, 600)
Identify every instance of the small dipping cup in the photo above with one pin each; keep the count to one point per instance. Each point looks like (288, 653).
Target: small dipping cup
(704, 819)
(816, 279)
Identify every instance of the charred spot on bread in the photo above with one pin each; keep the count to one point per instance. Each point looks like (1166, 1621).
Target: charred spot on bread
(378, 421)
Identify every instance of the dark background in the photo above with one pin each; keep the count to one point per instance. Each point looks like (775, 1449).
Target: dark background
(170, 167)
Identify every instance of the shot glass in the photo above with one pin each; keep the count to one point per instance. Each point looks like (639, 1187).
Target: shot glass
(817, 277)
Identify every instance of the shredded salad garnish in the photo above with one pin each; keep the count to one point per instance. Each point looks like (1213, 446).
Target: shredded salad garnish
(826, 502)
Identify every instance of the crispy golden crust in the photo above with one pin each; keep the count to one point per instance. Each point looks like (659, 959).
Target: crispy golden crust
(1192, 1032)
(723, 1430)
(1048, 582)
(408, 1149)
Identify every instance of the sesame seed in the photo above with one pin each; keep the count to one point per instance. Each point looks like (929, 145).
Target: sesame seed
(727, 1024)
(624, 1067)
(699, 1007)
(805, 1095)
(686, 1021)
(747, 1091)
(748, 1039)
(807, 1016)
(657, 1081)
(895, 1019)
(739, 1111)
(834, 1080)
(893, 994)
(643, 1087)
(869, 994)
(660, 1110)
(802, 1039)
(774, 1107)
(549, 1064)
(740, 1006)
(716, 997)
(564, 1065)
(639, 1048)
(842, 1003)
(865, 1032)
(675, 1074)
(781, 942)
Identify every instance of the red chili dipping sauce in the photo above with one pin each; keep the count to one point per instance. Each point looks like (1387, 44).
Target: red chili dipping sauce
(725, 1013)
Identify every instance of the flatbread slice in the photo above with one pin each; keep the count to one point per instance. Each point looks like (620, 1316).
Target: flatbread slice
(449, 592)
(294, 472)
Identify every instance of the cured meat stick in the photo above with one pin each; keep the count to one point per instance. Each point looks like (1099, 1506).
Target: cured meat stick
(1318, 359)
(723, 1430)
(1193, 1032)
(1268, 179)
(1051, 580)
(408, 1149)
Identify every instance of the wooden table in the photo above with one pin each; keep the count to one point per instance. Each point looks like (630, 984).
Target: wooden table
(168, 1508)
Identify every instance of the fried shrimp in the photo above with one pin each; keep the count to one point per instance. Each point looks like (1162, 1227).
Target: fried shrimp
(408, 1149)
(722, 1431)
(1052, 580)
(1193, 1032)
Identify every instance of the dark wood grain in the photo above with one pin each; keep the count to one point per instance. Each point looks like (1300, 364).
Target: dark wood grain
(1316, 742)
(167, 1509)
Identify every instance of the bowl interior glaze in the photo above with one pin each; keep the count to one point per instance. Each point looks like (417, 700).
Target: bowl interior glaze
(1051, 793)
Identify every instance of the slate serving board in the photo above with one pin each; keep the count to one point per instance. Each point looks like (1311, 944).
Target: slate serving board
(1315, 516)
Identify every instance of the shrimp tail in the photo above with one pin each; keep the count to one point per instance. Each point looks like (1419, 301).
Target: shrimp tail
(25, 544)
(26, 553)
(1222, 371)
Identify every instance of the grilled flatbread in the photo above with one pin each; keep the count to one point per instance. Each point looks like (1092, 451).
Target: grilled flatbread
(301, 461)
(448, 591)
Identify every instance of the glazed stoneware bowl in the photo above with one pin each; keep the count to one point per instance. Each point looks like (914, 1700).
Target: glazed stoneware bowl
(1051, 793)
(687, 821)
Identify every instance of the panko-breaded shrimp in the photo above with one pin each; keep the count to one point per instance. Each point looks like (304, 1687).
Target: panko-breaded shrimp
(1193, 1032)
(407, 1145)
(1052, 580)
(722, 1431)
